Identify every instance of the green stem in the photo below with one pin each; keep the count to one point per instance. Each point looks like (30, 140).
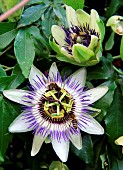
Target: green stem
(10, 68)
(116, 57)
(8, 48)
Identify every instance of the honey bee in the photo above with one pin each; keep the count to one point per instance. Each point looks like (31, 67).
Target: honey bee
(73, 121)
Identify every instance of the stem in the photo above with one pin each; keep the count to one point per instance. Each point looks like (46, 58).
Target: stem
(10, 56)
(8, 48)
(10, 68)
(116, 57)
(4, 66)
(13, 10)
(7, 68)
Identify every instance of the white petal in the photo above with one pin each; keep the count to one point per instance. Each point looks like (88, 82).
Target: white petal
(59, 35)
(79, 76)
(54, 73)
(18, 96)
(94, 18)
(37, 143)
(89, 125)
(65, 52)
(19, 125)
(96, 93)
(76, 139)
(71, 16)
(34, 74)
(61, 148)
(82, 17)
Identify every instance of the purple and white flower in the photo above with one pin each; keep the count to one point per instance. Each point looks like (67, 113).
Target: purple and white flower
(56, 109)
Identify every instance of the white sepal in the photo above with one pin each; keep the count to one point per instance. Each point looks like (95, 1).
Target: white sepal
(20, 124)
(61, 148)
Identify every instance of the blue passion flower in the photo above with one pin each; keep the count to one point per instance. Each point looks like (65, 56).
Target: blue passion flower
(56, 109)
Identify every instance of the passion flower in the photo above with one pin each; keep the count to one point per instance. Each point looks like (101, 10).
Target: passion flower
(56, 109)
(80, 44)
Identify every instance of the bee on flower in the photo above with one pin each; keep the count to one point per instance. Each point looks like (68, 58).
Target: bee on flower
(81, 43)
(56, 109)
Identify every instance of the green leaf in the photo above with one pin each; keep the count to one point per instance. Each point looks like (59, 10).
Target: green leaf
(47, 21)
(114, 119)
(105, 102)
(7, 26)
(113, 7)
(102, 72)
(2, 72)
(33, 2)
(24, 50)
(7, 113)
(6, 81)
(35, 32)
(76, 4)
(60, 13)
(102, 29)
(109, 44)
(32, 14)
(114, 162)
(121, 48)
(6, 38)
(19, 78)
(86, 153)
(57, 165)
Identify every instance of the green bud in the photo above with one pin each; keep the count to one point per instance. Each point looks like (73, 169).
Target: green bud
(81, 43)
(116, 23)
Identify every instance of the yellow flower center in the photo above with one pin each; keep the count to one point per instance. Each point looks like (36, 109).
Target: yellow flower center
(57, 102)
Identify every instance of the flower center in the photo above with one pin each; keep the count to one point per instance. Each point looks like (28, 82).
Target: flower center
(78, 34)
(57, 103)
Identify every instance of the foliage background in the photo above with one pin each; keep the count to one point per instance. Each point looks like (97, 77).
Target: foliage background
(24, 39)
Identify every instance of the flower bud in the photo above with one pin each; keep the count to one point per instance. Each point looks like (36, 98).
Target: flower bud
(116, 23)
(80, 44)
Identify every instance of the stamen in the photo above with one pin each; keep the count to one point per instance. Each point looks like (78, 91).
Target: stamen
(56, 104)
(78, 34)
